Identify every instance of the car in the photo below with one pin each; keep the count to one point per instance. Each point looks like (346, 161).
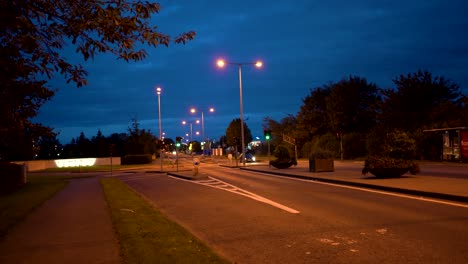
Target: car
(249, 157)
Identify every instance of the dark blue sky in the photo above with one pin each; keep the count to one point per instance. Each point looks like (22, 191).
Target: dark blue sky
(303, 44)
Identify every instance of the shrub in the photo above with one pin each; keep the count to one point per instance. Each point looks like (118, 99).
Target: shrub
(281, 153)
(136, 159)
(283, 158)
(394, 151)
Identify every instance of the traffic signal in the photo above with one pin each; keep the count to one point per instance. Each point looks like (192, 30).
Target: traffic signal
(267, 134)
(178, 141)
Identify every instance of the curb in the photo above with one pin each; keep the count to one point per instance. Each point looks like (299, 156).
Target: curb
(435, 195)
(187, 177)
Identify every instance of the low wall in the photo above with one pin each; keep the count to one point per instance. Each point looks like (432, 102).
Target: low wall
(36, 165)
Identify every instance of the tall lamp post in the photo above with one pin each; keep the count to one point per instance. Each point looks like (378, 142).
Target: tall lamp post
(221, 63)
(194, 110)
(191, 128)
(158, 92)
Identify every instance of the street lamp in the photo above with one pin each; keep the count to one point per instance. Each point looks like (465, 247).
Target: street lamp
(221, 64)
(193, 111)
(158, 92)
(191, 127)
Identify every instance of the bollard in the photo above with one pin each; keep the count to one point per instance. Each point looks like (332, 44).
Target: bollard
(196, 162)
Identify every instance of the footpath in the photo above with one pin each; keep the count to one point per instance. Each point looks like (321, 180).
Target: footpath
(75, 225)
(72, 227)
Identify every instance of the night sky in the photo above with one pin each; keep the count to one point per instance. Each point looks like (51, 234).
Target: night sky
(303, 45)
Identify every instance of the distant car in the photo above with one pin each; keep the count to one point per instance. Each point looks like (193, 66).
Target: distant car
(249, 157)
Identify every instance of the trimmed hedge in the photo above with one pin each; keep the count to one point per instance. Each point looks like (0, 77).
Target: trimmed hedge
(13, 176)
(136, 159)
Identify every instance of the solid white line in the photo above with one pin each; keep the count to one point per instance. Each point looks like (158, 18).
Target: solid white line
(372, 191)
(245, 193)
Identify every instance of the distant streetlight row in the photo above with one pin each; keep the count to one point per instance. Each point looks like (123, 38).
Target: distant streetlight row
(221, 63)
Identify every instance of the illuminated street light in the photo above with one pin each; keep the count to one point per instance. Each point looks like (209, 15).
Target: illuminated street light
(193, 111)
(158, 92)
(221, 64)
(191, 128)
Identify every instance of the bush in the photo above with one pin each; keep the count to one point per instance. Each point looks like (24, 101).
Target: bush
(136, 159)
(283, 158)
(392, 154)
(282, 153)
(13, 177)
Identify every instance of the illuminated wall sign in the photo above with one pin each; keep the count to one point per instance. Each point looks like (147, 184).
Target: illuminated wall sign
(62, 163)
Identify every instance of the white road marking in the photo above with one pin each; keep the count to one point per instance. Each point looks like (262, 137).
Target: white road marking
(370, 190)
(218, 184)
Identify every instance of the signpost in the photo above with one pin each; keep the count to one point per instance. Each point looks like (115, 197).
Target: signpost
(291, 141)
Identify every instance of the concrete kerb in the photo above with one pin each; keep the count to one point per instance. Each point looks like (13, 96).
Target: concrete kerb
(435, 195)
(188, 175)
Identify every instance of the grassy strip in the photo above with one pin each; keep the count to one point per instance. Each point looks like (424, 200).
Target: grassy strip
(15, 206)
(146, 236)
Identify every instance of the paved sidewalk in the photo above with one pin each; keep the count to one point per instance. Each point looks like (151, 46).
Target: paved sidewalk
(72, 227)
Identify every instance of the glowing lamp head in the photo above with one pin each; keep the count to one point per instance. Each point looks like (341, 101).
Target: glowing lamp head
(184, 122)
(258, 64)
(158, 90)
(193, 110)
(211, 109)
(221, 63)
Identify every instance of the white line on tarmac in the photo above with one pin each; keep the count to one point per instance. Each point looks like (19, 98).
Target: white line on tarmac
(236, 190)
(372, 191)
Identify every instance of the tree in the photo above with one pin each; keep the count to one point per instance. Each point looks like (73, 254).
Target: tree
(421, 101)
(34, 33)
(312, 118)
(234, 131)
(140, 141)
(353, 105)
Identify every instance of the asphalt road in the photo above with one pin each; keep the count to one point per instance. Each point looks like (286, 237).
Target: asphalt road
(255, 218)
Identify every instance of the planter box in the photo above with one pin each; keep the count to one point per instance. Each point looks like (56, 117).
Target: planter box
(388, 172)
(321, 165)
(281, 164)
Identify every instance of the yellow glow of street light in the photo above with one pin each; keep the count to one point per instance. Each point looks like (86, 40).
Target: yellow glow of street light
(258, 64)
(193, 110)
(221, 63)
(211, 109)
(158, 90)
(184, 122)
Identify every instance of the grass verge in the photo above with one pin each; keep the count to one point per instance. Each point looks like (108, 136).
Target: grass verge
(14, 207)
(147, 236)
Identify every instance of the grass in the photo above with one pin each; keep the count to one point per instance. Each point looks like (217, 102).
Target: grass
(14, 207)
(147, 236)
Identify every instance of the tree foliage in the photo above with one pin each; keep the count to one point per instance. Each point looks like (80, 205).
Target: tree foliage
(421, 100)
(358, 111)
(34, 35)
(234, 131)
